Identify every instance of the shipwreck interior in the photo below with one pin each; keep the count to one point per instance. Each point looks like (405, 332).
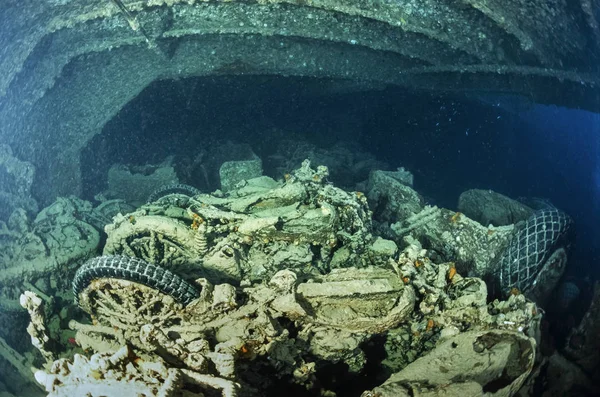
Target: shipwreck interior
(439, 136)
(64, 80)
(102, 103)
(451, 142)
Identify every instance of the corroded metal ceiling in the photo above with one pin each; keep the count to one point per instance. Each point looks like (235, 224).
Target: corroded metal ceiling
(517, 38)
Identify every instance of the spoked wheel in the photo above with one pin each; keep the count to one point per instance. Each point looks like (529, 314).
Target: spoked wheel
(124, 293)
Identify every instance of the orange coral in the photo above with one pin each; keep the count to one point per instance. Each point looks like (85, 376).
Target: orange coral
(196, 221)
(451, 273)
(456, 217)
(430, 324)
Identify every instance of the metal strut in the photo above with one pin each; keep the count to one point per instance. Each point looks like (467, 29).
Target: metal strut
(133, 23)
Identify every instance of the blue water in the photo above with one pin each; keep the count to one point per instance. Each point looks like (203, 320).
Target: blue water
(560, 158)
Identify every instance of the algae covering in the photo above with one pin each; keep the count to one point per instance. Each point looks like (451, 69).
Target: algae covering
(272, 285)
